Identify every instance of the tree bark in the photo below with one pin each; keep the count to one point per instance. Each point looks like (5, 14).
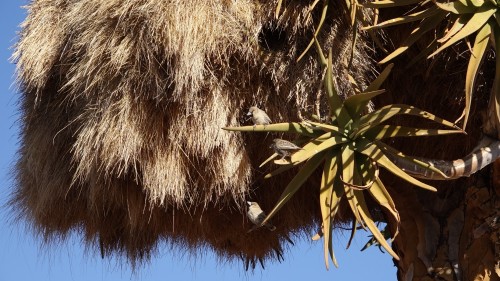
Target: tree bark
(452, 234)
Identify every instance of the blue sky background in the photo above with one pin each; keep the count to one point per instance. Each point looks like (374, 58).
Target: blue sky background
(22, 256)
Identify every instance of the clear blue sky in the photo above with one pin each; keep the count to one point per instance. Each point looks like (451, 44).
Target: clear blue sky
(23, 258)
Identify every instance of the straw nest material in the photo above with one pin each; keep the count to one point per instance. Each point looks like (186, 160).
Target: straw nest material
(121, 109)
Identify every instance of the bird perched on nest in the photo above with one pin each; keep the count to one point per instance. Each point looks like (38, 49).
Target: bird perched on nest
(284, 148)
(259, 116)
(257, 216)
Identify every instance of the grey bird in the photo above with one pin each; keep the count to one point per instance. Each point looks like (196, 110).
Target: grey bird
(259, 116)
(284, 148)
(257, 216)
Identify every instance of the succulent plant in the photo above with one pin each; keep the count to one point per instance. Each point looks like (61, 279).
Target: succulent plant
(462, 19)
(349, 144)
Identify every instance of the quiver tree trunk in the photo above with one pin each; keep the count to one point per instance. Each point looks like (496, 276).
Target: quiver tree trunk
(451, 234)
(453, 237)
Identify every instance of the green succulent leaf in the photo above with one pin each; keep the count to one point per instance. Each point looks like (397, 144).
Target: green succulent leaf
(335, 102)
(294, 185)
(459, 23)
(278, 9)
(480, 45)
(425, 25)
(482, 15)
(496, 81)
(375, 84)
(291, 127)
(324, 127)
(280, 170)
(348, 164)
(423, 54)
(389, 3)
(366, 168)
(329, 198)
(392, 152)
(383, 198)
(322, 58)
(353, 203)
(427, 13)
(318, 29)
(456, 7)
(357, 103)
(391, 131)
(365, 214)
(354, 227)
(312, 148)
(269, 159)
(348, 167)
(387, 112)
(477, 3)
(374, 152)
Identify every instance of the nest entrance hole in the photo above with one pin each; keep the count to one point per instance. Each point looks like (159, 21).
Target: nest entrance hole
(272, 38)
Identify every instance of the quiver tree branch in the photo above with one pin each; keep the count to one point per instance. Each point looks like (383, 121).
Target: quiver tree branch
(487, 151)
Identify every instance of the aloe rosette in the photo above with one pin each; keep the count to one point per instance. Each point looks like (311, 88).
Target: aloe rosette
(350, 146)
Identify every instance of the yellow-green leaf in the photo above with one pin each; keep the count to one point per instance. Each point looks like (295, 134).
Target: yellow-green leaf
(291, 127)
(456, 7)
(480, 45)
(323, 126)
(496, 82)
(383, 198)
(330, 196)
(374, 152)
(479, 18)
(392, 152)
(385, 113)
(280, 170)
(390, 131)
(375, 84)
(389, 3)
(318, 29)
(294, 185)
(268, 160)
(425, 25)
(312, 149)
(366, 168)
(354, 226)
(325, 195)
(477, 3)
(348, 164)
(457, 25)
(357, 103)
(336, 105)
(423, 54)
(353, 203)
(278, 9)
(322, 57)
(365, 214)
(348, 178)
(427, 13)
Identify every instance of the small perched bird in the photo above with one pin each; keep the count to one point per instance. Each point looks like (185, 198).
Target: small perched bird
(257, 216)
(259, 116)
(284, 148)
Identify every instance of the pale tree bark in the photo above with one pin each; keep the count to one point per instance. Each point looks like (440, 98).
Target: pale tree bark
(451, 238)
(454, 235)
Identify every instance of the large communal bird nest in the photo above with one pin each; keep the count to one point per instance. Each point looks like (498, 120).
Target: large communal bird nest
(122, 107)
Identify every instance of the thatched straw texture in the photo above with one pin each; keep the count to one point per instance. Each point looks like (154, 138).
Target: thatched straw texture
(122, 107)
